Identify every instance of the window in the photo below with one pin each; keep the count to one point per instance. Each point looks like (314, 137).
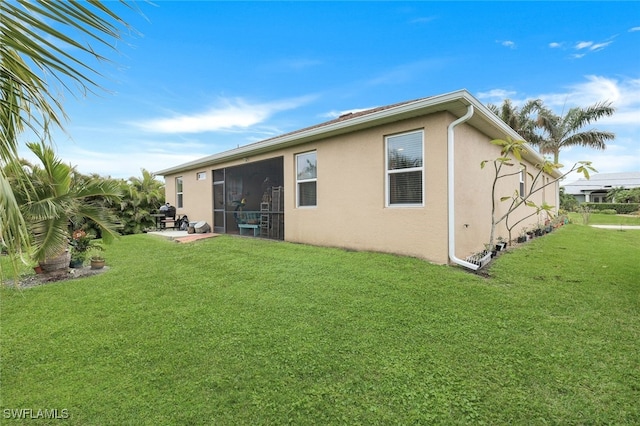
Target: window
(201, 175)
(179, 200)
(405, 169)
(306, 179)
(523, 172)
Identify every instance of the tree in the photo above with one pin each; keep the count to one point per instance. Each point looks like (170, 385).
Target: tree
(141, 197)
(40, 38)
(615, 194)
(520, 119)
(623, 195)
(561, 131)
(567, 201)
(52, 200)
(503, 166)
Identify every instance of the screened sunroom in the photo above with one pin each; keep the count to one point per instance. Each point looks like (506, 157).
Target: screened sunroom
(249, 199)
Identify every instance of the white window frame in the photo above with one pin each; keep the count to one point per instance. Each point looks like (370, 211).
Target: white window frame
(179, 194)
(299, 181)
(522, 176)
(201, 175)
(388, 173)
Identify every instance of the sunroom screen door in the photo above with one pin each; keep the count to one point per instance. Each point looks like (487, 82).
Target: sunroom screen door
(219, 217)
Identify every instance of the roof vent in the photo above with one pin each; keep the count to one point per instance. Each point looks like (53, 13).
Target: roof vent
(346, 115)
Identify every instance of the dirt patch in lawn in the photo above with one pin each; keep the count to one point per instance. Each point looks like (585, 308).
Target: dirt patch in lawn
(35, 280)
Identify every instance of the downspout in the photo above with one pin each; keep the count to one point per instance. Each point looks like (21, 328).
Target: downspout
(451, 192)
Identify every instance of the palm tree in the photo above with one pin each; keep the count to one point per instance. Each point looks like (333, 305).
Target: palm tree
(52, 198)
(36, 38)
(563, 131)
(142, 196)
(520, 119)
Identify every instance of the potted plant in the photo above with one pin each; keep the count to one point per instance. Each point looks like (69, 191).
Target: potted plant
(523, 236)
(77, 259)
(493, 250)
(97, 258)
(530, 234)
(80, 243)
(501, 245)
(538, 230)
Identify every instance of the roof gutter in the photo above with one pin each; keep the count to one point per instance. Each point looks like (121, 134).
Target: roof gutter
(451, 192)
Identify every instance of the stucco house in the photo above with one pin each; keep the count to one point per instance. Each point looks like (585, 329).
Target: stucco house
(596, 188)
(403, 178)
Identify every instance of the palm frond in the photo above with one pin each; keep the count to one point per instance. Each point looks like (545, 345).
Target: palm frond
(591, 139)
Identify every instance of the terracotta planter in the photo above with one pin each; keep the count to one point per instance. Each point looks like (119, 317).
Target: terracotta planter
(97, 263)
(56, 263)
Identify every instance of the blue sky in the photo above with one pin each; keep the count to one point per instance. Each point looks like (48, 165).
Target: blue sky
(201, 77)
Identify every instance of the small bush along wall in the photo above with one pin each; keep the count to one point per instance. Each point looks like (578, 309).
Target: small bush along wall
(620, 208)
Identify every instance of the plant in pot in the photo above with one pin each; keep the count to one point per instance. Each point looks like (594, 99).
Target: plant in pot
(488, 248)
(538, 230)
(501, 245)
(522, 237)
(80, 243)
(52, 196)
(97, 258)
(77, 259)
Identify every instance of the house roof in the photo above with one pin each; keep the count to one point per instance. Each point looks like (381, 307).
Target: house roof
(603, 182)
(454, 102)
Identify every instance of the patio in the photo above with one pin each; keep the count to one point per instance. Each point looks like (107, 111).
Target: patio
(182, 236)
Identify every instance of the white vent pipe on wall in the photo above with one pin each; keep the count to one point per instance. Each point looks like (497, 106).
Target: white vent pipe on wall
(451, 190)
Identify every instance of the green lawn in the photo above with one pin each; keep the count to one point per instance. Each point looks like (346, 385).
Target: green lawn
(606, 219)
(234, 331)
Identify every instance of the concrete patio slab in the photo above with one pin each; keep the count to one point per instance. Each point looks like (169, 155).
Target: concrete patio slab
(182, 236)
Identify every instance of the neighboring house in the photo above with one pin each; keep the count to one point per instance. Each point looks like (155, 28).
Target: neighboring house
(595, 189)
(403, 179)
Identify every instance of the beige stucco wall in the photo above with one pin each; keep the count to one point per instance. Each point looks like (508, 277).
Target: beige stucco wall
(197, 195)
(351, 210)
(473, 196)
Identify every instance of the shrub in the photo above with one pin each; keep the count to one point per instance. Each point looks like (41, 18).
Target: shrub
(620, 208)
(608, 211)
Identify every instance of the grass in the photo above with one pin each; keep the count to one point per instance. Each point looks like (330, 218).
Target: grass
(606, 219)
(246, 331)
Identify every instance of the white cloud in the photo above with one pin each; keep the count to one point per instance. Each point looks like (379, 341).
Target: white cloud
(230, 114)
(508, 43)
(589, 46)
(496, 95)
(622, 153)
(609, 161)
(555, 45)
(120, 165)
(583, 44)
(634, 29)
(599, 46)
(624, 95)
